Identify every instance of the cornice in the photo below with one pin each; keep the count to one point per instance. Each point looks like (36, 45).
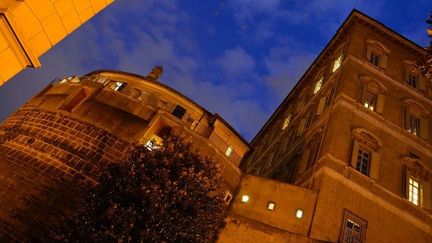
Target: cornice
(386, 126)
(392, 81)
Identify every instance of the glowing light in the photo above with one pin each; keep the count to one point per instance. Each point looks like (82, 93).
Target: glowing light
(245, 198)
(299, 213)
(271, 206)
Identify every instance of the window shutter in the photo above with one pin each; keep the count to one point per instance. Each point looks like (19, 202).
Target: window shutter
(304, 160)
(321, 105)
(368, 54)
(383, 61)
(380, 104)
(421, 83)
(354, 155)
(427, 197)
(301, 127)
(407, 120)
(424, 128)
(407, 73)
(406, 182)
(375, 164)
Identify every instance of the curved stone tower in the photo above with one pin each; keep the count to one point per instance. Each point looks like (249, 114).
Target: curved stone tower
(76, 124)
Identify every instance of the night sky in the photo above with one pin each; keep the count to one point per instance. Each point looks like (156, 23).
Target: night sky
(238, 58)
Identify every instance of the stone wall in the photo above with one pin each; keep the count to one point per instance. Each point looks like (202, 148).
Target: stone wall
(42, 149)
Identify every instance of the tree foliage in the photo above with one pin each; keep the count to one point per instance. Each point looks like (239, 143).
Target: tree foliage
(426, 66)
(160, 195)
(165, 194)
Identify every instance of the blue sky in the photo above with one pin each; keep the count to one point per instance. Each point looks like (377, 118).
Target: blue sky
(238, 58)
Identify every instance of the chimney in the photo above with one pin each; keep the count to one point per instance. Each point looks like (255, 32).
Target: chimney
(155, 73)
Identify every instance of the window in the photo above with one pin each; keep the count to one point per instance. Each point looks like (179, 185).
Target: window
(151, 144)
(413, 190)
(337, 63)
(118, 86)
(229, 151)
(363, 161)
(416, 119)
(377, 53)
(271, 206)
(370, 100)
(373, 94)
(417, 178)
(353, 228)
(318, 85)
(374, 59)
(414, 125)
(412, 80)
(365, 156)
(286, 122)
(413, 77)
(179, 112)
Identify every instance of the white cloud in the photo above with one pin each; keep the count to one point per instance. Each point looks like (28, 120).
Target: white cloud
(235, 62)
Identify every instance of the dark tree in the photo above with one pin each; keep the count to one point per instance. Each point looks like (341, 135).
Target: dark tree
(426, 66)
(160, 195)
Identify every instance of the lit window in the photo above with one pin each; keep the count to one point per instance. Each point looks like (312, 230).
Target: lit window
(412, 81)
(414, 125)
(299, 213)
(118, 86)
(151, 144)
(414, 191)
(271, 206)
(363, 161)
(337, 63)
(286, 122)
(370, 100)
(229, 151)
(318, 85)
(374, 59)
(245, 198)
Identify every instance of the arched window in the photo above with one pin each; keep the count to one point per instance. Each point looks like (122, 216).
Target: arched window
(366, 153)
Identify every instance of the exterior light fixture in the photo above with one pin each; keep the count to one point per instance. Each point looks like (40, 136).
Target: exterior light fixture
(299, 213)
(271, 206)
(245, 198)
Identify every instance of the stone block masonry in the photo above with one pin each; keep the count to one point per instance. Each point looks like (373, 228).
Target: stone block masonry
(40, 149)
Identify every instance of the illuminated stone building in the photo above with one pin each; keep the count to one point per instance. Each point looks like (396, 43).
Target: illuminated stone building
(348, 153)
(346, 157)
(77, 124)
(30, 28)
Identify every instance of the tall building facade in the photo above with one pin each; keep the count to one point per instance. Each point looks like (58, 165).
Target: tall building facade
(30, 28)
(78, 124)
(347, 156)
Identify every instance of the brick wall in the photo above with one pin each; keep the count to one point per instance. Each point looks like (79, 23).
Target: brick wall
(40, 150)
